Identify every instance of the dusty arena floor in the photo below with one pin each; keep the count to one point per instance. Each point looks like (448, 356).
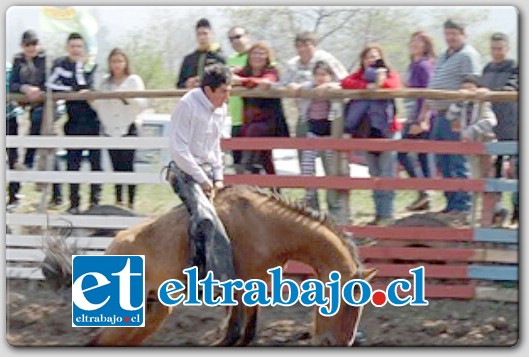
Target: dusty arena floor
(36, 316)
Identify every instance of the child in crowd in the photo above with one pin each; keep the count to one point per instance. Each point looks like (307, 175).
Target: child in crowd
(474, 120)
(319, 114)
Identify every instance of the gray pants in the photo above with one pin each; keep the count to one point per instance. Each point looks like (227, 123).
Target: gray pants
(209, 246)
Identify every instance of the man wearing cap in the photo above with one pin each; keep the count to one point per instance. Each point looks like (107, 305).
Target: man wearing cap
(206, 54)
(29, 77)
(452, 66)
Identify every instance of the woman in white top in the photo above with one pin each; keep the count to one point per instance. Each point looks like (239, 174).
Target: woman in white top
(117, 116)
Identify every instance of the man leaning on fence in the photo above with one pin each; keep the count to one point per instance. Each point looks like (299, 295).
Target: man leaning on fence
(29, 77)
(455, 63)
(498, 75)
(196, 171)
(299, 70)
(72, 73)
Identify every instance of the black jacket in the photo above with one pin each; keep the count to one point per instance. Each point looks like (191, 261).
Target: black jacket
(68, 76)
(503, 77)
(23, 73)
(190, 66)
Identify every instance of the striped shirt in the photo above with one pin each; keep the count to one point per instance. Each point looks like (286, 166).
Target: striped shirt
(297, 72)
(450, 71)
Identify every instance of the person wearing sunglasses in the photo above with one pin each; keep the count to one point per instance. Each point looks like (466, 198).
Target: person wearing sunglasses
(240, 42)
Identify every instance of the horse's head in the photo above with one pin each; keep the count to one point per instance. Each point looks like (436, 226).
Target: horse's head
(343, 333)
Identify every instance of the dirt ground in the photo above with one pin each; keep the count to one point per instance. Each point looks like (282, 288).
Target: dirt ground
(38, 316)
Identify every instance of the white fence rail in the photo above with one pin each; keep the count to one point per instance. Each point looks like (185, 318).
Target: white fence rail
(85, 177)
(44, 220)
(25, 253)
(86, 142)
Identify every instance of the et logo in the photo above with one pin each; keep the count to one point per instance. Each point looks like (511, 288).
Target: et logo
(108, 291)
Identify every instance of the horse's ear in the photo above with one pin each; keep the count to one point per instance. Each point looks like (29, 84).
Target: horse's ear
(369, 274)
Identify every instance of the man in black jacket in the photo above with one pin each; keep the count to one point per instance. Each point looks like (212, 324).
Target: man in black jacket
(501, 74)
(28, 76)
(72, 73)
(207, 53)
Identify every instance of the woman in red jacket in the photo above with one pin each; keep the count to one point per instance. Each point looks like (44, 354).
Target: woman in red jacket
(262, 117)
(375, 118)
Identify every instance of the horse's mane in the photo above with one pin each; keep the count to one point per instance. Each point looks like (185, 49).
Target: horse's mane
(304, 210)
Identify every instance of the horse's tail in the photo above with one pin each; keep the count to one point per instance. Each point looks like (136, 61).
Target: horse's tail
(57, 264)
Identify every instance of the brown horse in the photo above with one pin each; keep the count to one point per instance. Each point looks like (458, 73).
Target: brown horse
(266, 231)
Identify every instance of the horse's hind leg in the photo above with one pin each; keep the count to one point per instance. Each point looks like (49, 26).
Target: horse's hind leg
(250, 325)
(155, 315)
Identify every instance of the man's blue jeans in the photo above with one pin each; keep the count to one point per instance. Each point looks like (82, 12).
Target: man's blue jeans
(451, 166)
(209, 246)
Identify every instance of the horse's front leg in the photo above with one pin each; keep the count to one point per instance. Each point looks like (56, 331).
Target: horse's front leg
(249, 328)
(233, 323)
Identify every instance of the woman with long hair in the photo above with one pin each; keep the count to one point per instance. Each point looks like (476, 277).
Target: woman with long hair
(375, 118)
(118, 116)
(262, 117)
(420, 70)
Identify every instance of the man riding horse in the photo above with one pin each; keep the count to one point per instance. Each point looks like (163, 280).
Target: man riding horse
(196, 171)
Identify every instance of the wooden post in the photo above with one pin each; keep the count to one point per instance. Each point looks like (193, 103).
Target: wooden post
(476, 170)
(339, 167)
(488, 199)
(46, 156)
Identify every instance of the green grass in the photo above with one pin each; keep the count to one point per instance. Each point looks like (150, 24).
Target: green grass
(158, 199)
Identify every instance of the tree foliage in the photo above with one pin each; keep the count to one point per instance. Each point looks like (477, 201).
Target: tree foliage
(157, 48)
(343, 31)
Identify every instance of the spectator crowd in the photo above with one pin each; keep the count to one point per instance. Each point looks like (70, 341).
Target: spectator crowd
(253, 64)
